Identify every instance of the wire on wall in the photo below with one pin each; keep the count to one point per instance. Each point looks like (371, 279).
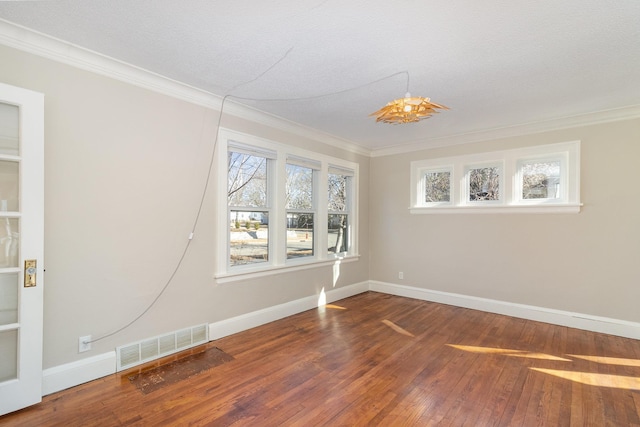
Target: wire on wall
(210, 169)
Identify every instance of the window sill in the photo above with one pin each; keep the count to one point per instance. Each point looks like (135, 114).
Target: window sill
(253, 273)
(502, 209)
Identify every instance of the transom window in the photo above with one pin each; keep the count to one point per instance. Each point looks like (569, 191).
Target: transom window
(543, 178)
(484, 183)
(436, 186)
(540, 179)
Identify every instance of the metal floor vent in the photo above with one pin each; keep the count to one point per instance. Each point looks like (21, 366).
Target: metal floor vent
(154, 348)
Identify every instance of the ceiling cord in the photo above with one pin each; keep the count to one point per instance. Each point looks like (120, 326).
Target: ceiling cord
(306, 98)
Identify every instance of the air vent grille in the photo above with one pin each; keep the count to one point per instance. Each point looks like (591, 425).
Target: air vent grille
(153, 348)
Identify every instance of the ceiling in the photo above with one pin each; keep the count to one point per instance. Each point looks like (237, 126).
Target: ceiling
(328, 64)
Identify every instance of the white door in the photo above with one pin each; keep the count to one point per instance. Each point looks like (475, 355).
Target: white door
(21, 246)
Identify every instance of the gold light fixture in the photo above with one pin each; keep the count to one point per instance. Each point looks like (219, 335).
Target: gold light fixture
(407, 110)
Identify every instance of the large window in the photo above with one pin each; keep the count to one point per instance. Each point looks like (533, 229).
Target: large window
(285, 207)
(543, 178)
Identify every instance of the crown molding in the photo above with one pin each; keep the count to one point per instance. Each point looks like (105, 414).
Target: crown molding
(597, 117)
(28, 40)
(25, 39)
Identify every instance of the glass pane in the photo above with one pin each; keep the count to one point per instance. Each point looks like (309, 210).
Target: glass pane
(8, 355)
(299, 187)
(9, 178)
(249, 237)
(247, 180)
(484, 184)
(437, 186)
(9, 134)
(9, 242)
(338, 235)
(9, 298)
(541, 180)
(337, 192)
(299, 235)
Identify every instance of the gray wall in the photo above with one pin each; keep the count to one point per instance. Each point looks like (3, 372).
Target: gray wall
(586, 262)
(124, 171)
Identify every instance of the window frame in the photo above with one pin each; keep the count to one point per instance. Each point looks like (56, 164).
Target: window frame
(276, 200)
(510, 181)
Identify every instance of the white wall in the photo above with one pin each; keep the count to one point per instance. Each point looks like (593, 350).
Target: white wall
(585, 263)
(124, 171)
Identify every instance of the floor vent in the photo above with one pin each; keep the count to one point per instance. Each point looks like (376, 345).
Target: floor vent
(163, 345)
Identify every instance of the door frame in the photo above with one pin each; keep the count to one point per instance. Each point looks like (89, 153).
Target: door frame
(26, 389)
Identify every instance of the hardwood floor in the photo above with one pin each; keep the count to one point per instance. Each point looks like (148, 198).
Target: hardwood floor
(376, 359)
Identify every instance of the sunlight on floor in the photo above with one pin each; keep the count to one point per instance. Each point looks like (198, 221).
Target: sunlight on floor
(609, 360)
(508, 352)
(541, 356)
(397, 328)
(589, 378)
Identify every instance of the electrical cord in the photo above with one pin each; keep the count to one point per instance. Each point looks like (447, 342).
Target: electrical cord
(186, 247)
(210, 169)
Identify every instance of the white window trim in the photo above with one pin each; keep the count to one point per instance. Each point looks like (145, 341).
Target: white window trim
(510, 188)
(278, 261)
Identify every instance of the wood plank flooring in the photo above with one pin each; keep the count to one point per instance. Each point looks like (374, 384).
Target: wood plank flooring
(376, 359)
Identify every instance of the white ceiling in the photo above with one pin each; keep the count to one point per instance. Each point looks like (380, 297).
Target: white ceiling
(495, 63)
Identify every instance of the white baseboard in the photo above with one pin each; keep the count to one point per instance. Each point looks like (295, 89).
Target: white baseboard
(71, 374)
(243, 322)
(79, 372)
(587, 322)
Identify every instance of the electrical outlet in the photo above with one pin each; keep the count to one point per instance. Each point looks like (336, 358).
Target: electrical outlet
(84, 343)
(401, 275)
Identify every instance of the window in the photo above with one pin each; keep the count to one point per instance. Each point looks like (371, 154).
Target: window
(339, 185)
(285, 207)
(483, 183)
(247, 197)
(300, 205)
(539, 180)
(436, 186)
(543, 178)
